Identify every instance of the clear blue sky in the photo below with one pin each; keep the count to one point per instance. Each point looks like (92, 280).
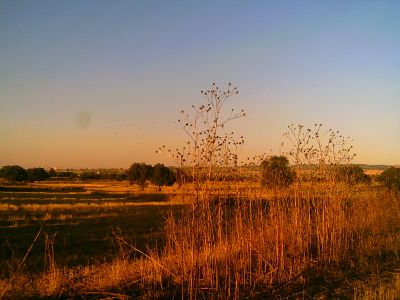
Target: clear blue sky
(100, 83)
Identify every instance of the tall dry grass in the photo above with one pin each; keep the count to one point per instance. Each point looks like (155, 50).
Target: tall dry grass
(226, 247)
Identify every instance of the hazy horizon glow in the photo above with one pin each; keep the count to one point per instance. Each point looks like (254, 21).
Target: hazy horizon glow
(100, 84)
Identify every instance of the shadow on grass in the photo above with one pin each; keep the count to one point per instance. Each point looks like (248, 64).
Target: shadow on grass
(84, 241)
(147, 197)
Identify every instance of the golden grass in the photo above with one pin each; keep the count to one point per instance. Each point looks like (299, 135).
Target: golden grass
(248, 242)
(114, 187)
(230, 252)
(75, 205)
(373, 171)
(382, 290)
(8, 207)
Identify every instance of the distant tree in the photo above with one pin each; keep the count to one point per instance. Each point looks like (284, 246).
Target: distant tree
(88, 175)
(391, 178)
(351, 174)
(13, 173)
(120, 176)
(37, 174)
(67, 174)
(52, 173)
(276, 172)
(139, 173)
(162, 175)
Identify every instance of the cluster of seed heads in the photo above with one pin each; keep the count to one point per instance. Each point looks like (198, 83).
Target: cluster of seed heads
(314, 146)
(209, 142)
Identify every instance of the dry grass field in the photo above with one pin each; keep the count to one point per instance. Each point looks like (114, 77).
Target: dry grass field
(373, 172)
(111, 240)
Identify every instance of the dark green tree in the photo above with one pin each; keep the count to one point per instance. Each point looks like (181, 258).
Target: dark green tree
(13, 173)
(37, 174)
(391, 178)
(276, 172)
(162, 175)
(139, 173)
(351, 174)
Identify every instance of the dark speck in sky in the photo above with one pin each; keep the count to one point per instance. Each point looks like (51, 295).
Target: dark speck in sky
(83, 120)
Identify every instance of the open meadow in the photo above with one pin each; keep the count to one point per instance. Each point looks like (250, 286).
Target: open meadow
(111, 239)
(82, 218)
(80, 221)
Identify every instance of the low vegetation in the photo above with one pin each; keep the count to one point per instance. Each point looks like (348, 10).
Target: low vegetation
(351, 174)
(391, 178)
(316, 241)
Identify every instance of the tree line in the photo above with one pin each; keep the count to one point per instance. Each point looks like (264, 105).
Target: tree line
(17, 173)
(274, 171)
(138, 173)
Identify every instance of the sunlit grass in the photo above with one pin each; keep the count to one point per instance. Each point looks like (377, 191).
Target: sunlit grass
(313, 240)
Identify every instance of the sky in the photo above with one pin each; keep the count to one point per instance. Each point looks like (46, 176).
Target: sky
(100, 84)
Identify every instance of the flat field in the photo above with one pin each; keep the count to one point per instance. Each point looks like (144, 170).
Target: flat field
(83, 220)
(224, 240)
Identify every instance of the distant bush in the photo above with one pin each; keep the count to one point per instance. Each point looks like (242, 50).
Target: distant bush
(351, 174)
(67, 174)
(52, 173)
(89, 175)
(276, 172)
(37, 174)
(102, 174)
(111, 176)
(391, 178)
(120, 176)
(13, 173)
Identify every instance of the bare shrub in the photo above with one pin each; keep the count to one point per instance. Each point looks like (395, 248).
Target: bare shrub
(316, 152)
(210, 143)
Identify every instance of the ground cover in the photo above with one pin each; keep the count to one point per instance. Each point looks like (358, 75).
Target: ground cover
(235, 240)
(82, 218)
